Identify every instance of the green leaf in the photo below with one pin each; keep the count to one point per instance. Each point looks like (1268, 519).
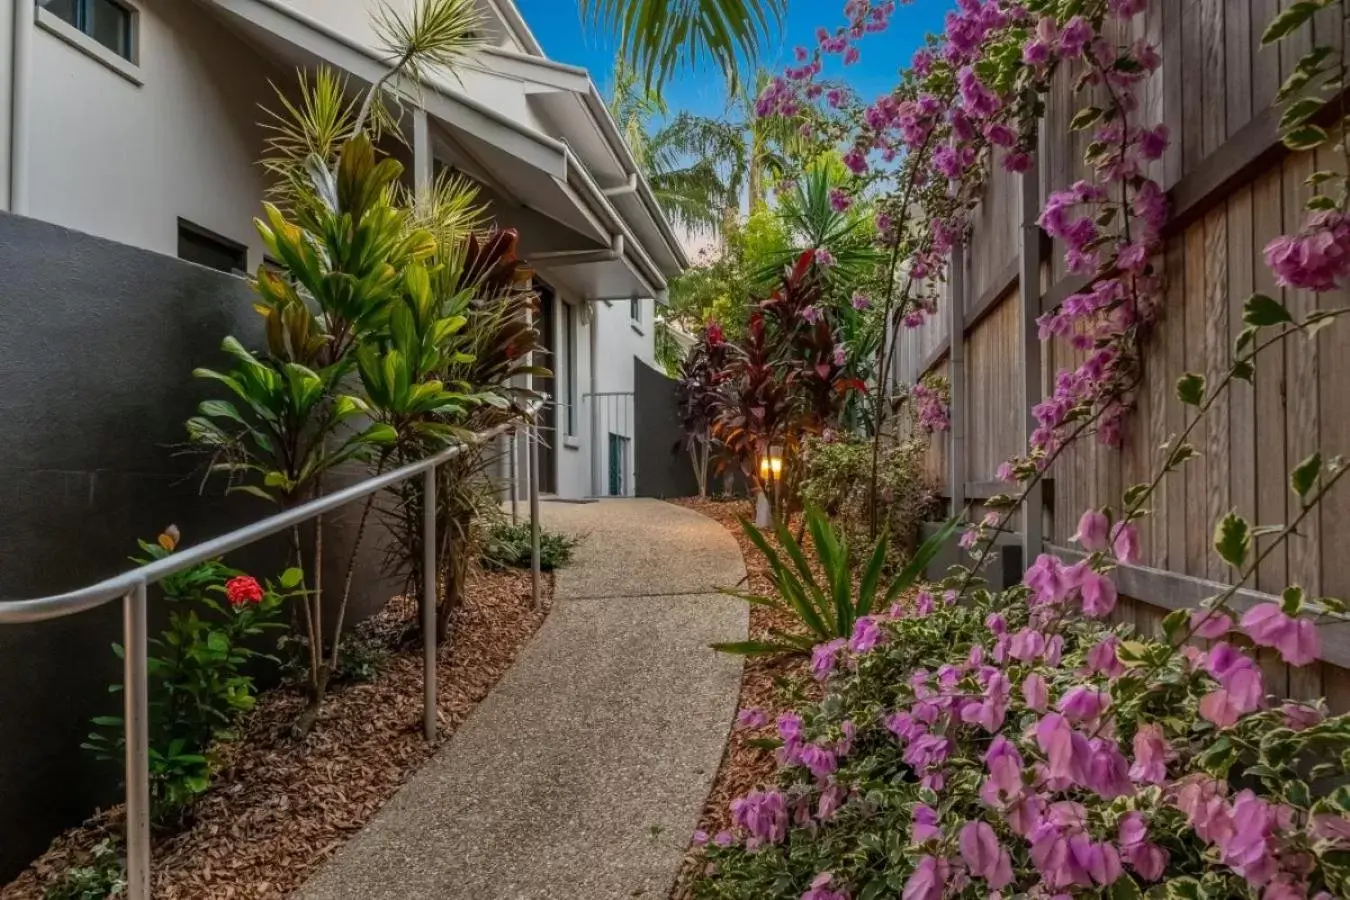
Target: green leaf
(1320, 203)
(1305, 137)
(1085, 117)
(1262, 311)
(755, 648)
(1232, 539)
(1191, 388)
(291, 578)
(1288, 21)
(1299, 112)
(1174, 625)
(1244, 371)
(1124, 888)
(1305, 474)
(1291, 600)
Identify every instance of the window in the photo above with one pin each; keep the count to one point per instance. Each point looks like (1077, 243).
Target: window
(569, 342)
(106, 21)
(206, 248)
(635, 310)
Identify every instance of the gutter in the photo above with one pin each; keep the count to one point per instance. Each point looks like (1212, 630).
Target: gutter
(20, 101)
(600, 203)
(608, 128)
(619, 147)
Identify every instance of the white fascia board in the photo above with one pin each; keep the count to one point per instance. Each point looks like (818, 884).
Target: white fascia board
(451, 107)
(535, 70)
(520, 30)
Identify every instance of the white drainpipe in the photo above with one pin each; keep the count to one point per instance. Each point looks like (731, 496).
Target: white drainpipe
(596, 454)
(24, 12)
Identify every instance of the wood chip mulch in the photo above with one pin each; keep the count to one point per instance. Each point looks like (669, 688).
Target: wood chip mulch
(744, 766)
(280, 807)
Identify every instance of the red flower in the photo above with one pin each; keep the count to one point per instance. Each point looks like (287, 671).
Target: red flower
(243, 589)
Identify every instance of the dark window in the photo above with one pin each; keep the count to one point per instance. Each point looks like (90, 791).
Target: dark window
(635, 309)
(206, 248)
(106, 21)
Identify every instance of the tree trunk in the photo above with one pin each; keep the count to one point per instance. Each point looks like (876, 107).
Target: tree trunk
(304, 723)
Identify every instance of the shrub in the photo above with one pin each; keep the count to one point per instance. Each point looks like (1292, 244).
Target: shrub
(825, 602)
(837, 479)
(201, 673)
(1009, 746)
(510, 546)
(103, 878)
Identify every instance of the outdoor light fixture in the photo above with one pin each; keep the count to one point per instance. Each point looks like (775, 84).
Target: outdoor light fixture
(770, 473)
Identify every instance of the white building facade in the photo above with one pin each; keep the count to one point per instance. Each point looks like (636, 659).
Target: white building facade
(139, 121)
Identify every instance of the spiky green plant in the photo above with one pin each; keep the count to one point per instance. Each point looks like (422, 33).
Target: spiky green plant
(824, 601)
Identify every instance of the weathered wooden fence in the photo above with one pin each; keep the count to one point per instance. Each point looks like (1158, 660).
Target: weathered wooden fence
(1232, 188)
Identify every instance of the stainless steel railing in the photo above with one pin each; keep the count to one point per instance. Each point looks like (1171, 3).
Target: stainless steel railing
(612, 414)
(132, 588)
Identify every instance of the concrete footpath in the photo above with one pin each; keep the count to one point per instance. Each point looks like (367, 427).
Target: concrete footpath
(583, 773)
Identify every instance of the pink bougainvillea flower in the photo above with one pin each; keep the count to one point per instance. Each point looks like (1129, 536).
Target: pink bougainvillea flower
(1092, 530)
(1035, 693)
(752, 718)
(1099, 594)
(1151, 754)
(1211, 624)
(928, 881)
(983, 855)
(1296, 640)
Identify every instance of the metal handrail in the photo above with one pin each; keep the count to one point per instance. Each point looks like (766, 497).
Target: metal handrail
(132, 588)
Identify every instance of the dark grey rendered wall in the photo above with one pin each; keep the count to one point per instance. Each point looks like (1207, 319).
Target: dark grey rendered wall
(97, 346)
(663, 468)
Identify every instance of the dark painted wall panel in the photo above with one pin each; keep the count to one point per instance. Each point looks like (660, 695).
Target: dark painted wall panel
(663, 468)
(97, 346)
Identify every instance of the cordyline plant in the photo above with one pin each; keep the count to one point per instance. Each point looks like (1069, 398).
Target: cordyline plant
(982, 744)
(356, 335)
(787, 379)
(702, 372)
(484, 279)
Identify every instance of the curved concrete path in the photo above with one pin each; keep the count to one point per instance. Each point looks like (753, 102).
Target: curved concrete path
(583, 773)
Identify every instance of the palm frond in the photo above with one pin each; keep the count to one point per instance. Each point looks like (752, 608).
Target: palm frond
(663, 36)
(314, 124)
(449, 209)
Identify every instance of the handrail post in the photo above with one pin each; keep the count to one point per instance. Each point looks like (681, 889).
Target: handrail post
(533, 441)
(514, 448)
(429, 604)
(136, 720)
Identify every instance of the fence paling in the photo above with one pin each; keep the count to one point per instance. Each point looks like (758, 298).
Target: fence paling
(132, 588)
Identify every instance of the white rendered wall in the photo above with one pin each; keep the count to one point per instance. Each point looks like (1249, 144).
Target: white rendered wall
(124, 161)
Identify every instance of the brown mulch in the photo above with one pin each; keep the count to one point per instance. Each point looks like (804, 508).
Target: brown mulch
(280, 807)
(744, 766)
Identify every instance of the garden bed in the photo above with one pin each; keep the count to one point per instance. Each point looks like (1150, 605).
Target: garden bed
(280, 807)
(743, 765)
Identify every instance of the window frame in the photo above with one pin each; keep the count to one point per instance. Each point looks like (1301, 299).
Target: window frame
(226, 243)
(72, 33)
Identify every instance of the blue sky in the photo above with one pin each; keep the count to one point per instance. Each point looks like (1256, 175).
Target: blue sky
(557, 24)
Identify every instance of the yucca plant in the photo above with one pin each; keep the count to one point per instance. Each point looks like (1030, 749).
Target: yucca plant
(824, 601)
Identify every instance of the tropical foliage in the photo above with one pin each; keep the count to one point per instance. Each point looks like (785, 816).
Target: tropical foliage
(823, 598)
(391, 330)
(663, 36)
(202, 670)
(973, 743)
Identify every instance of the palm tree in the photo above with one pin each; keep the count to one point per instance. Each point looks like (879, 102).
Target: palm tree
(694, 164)
(661, 36)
